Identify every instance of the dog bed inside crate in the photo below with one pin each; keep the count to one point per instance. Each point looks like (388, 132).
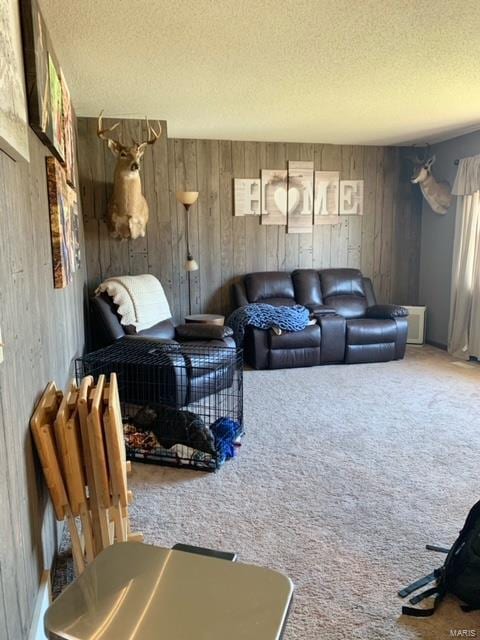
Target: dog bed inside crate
(163, 435)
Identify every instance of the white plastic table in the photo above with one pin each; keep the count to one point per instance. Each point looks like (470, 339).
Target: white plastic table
(134, 591)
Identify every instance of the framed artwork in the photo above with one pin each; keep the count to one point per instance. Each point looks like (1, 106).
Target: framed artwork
(74, 244)
(300, 197)
(13, 110)
(60, 224)
(68, 116)
(326, 207)
(56, 109)
(44, 93)
(35, 52)
(351, 197)
(246, 197)
(274, 196)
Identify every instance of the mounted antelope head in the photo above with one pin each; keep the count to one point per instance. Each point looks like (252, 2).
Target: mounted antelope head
(437, 194)
(127, 209)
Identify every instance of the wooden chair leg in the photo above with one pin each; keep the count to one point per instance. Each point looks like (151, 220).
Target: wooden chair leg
(96, 527)
(105, 531)
(87, 532)
(120, 522)
(78, 559)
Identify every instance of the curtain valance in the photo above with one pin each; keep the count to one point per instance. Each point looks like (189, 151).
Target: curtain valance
(467, 181)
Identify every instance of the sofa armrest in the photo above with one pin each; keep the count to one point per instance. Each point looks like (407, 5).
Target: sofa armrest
(225, 342)
(106, 321)
(194, 331)
(255, 347)
(152, 339)
(163, 330)
(239, 295)
(333, 333)
(170, 376)
(320, 309)
(386, 312)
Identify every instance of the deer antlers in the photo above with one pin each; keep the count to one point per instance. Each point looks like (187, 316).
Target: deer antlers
(153, 135)
(416, 158)
(101, 132)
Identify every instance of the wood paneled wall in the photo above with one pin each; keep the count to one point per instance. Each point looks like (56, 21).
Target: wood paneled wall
(384, 243)
(43, 330)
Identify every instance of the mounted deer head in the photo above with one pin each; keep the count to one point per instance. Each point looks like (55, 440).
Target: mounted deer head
(437, 194)
(127, 209)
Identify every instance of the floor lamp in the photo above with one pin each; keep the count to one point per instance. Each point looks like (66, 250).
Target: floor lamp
(187, 198)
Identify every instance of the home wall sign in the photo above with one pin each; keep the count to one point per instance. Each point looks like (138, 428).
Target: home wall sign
(298, 198)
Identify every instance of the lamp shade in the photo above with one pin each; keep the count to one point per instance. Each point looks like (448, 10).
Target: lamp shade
(187, 197)
(191, 264)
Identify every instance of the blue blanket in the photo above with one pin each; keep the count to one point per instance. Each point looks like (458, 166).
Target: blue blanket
(265, 316)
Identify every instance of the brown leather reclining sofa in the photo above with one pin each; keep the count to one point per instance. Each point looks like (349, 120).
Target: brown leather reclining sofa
(350, 326)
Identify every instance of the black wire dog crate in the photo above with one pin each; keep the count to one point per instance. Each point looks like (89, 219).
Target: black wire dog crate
(182, 404)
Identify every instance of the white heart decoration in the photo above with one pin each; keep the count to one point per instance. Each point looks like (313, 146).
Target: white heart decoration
(280, 198)
(293, 199)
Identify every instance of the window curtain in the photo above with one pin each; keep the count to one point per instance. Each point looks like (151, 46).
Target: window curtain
(464, 327)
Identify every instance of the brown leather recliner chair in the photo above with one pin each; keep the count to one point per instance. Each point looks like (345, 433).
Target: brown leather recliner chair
(350, 326)
(187, 373)
(107, 328)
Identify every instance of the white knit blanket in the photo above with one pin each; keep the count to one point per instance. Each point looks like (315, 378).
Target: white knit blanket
(141, 300)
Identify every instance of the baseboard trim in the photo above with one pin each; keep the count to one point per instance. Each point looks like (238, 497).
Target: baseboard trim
(438, 345)
(42, 602)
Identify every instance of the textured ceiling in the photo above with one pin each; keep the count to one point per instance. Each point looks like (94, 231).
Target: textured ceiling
(355, 71)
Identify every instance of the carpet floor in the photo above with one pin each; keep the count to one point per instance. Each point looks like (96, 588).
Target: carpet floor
(346, 472)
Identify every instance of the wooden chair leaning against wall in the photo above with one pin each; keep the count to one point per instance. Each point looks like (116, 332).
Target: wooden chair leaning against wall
(79, 438)
(42, 426)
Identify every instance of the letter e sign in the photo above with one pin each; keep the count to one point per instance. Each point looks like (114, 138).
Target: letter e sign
(351, 197)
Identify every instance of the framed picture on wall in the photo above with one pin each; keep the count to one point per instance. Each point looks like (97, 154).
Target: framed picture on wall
(35, 51)
(68, 116)
(74, 244)
(274, 196)
(42, 73)
(56, 109)
(300, 197)
(60, 224)
(13, 110)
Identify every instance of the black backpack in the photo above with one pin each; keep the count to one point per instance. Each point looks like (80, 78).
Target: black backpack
(459, 575)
